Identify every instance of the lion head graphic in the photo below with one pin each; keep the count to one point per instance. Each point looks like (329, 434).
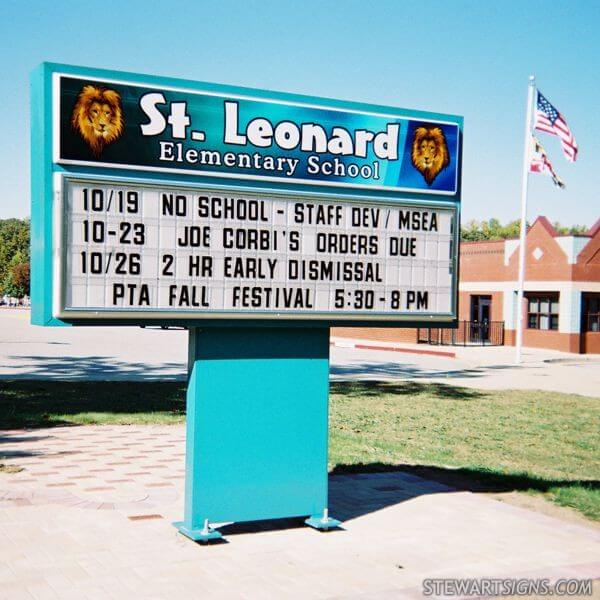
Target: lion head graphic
(98, 117)
(429, 152)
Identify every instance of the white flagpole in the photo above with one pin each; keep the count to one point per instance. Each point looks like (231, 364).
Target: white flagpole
(524, 188)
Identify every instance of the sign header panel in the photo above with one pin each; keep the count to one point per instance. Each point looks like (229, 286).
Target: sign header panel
(121, 124)
(156, 250)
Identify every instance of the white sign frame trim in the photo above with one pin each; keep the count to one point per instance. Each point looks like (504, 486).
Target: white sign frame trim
(60, 311)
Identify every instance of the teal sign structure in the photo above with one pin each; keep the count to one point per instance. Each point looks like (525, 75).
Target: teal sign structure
(257, 220)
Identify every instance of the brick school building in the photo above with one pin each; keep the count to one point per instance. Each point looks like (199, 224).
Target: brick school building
(561, 307)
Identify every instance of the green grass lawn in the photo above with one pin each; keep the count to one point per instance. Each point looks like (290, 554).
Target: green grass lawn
(530, 441)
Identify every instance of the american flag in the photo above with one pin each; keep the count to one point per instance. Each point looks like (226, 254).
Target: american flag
(549, 120)
(540, 163)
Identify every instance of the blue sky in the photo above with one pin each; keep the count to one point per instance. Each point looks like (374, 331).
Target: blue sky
(467, 58)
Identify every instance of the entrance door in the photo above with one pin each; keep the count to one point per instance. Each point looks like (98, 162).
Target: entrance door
(481, 310)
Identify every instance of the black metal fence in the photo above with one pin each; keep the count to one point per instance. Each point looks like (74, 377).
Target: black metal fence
(468, 333)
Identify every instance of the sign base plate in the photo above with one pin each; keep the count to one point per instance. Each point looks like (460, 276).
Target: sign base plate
(323, 523)
(198, 535)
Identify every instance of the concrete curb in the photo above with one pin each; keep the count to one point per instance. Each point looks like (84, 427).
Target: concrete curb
(368, 346)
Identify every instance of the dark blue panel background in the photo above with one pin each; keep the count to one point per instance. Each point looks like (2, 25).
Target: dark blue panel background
(207, 114)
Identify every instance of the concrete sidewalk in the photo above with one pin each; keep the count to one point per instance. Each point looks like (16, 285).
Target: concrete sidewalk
(474, 354)
(90, 516)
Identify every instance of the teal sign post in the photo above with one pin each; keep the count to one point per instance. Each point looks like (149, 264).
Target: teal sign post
(257, 220)
(256, 427)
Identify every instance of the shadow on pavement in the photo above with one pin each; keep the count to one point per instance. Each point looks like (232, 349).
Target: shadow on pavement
(468, 479)
(262, 526)
(382, 485)
(359, 489)
(99, 368)
(393, 369)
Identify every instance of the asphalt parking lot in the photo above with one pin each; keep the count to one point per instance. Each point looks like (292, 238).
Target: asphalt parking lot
(114, 353)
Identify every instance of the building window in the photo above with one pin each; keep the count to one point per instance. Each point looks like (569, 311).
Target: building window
(591, 312)
(542, 311)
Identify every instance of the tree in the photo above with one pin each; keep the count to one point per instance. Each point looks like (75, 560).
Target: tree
(471, 232)
(14, 239)
(16, 279)
(492, 229)
(19, 280)
(573, 230)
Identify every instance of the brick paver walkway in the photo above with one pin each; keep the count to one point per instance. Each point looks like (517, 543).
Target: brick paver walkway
(90, 517)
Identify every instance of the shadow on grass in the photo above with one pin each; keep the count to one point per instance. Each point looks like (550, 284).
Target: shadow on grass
(354, 389)
(53, 403)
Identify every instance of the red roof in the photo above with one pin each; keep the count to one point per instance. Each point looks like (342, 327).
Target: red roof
(545, 223)
(594, 229)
